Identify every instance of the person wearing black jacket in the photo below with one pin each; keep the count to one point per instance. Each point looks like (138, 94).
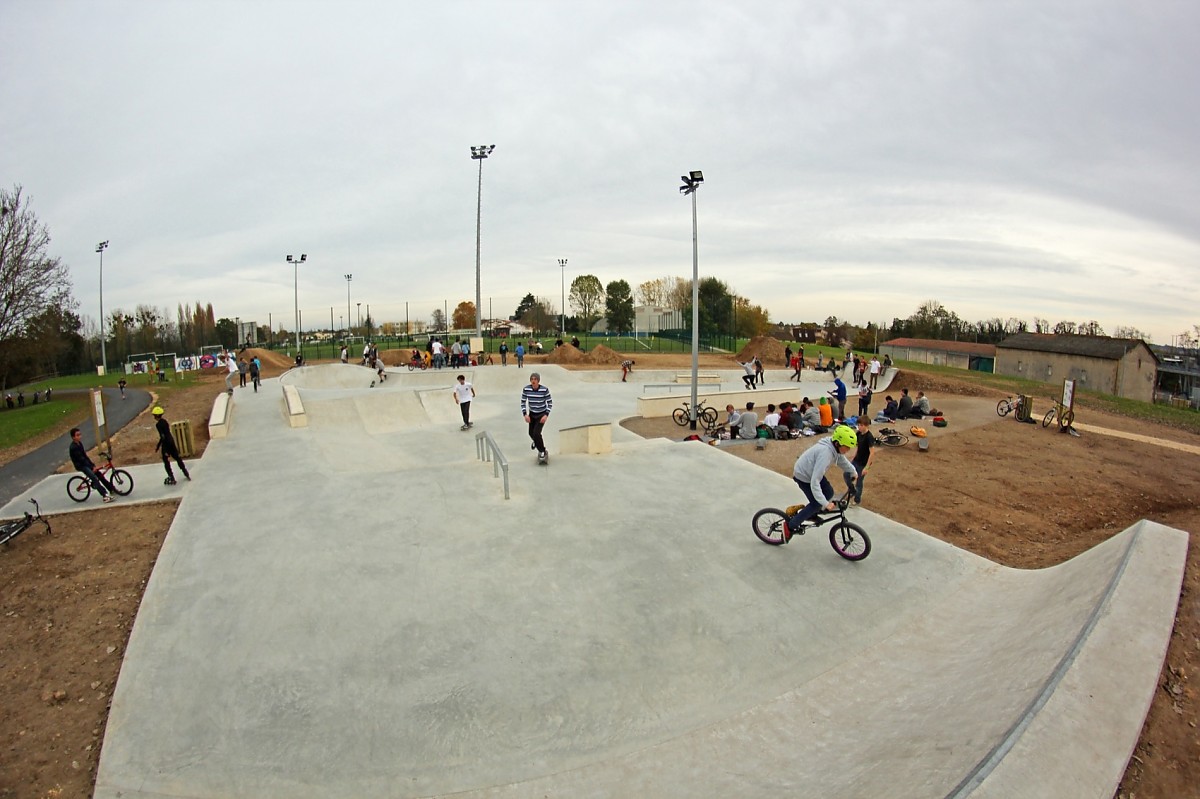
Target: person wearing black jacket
(82, 463)
(166, 443)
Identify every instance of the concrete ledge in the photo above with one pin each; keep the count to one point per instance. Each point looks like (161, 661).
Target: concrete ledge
(664, 404)
(701, 377)
(293, 407)
(589, 439)
(218, 420)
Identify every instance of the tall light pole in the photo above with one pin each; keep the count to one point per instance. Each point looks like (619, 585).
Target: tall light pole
(691, 183)
(349, 277)
(100, 248)
(562, 327)
(295, 262)
(478, 154)
(359, 315)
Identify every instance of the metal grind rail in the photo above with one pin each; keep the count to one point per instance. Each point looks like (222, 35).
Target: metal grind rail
(487, 449)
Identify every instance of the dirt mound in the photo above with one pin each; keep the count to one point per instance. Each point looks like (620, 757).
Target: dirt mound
(565, 354)
(273, 363)
(769, 350)
(604, 355)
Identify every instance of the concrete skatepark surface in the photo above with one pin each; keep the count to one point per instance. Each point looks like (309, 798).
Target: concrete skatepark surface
(388, 625)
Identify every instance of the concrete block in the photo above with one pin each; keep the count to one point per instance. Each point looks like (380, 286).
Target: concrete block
(589, 439)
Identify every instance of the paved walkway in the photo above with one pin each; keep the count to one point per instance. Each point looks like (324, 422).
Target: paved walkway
(353, 609)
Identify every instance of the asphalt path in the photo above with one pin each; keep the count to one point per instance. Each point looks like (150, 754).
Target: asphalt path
(18, 476)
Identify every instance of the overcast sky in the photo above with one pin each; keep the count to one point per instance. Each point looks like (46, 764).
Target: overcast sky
(1027, 159)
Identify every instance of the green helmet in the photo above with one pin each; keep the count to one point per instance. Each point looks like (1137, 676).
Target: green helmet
(845, 436)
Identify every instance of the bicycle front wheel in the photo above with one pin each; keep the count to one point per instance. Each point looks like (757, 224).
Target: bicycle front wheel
(412, 366)
(1049, 418)
(78, 488)
(122, 481)
(709, 417)
(1003, 407)
(10, 530)
(681, 417)
(850, 541)
(894, 440)
(769, 524)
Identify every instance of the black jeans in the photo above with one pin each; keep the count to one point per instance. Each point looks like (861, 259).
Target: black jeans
(535, 433)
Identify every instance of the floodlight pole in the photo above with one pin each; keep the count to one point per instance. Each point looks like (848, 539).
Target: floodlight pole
(349, 277)
(295, 262)
(691, 182)
(478, 154)
(100, 248)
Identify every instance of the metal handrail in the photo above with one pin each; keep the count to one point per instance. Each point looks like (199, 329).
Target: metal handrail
(486, 449)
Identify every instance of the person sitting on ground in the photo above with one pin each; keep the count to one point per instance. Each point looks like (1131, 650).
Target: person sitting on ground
(904, 409)
(748, 426)
(786, 413)
(889, 410)
(921, 407)
(811, 417)
(733, 418)
(771, 420)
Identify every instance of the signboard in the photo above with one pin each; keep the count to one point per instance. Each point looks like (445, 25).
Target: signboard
(1068, 395)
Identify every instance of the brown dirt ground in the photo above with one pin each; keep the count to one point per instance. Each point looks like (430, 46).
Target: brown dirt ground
(1033, 498)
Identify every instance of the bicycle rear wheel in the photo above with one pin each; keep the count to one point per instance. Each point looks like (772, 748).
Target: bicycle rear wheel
(681, 417)
(850, 541)
(122, 481)
(709, 417)
(1003, 407)
(78, 488)
(893, 440)
(769, 525)
(10, 530)
(1066, 419)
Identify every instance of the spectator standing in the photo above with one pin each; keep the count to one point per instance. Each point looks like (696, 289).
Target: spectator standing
(243, 369)
(503, 354)
(520, 355)
(345, 354)
(760, 374)
(863, 455)
(839, 394)
(864, 401)
(464, 392)
(875, 369)
(255, 370)
(82, 463)
(536, 404)
(787, 357)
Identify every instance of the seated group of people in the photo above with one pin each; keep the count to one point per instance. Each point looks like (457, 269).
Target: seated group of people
(788, 417)
(906, 408)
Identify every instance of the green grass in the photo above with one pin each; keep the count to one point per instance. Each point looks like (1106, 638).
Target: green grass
(91, 380)
(1182, 418)
(21, 424)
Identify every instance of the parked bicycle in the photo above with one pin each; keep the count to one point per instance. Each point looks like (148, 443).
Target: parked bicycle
(707, 417)
(847, 538)
(79, 488)
(1006, 406)
(889, 437)
(11, 529)
(1061, 414)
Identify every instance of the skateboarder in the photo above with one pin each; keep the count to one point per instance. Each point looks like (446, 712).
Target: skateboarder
(464, 392)
(536, 404)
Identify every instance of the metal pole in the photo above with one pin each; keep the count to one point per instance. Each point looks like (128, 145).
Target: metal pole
(479, 153)
(562, 327)
(296, 299)
(695, 316)
(349, 277)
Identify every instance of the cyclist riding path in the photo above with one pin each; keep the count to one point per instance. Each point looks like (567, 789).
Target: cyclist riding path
(352, 608)
(26, 471)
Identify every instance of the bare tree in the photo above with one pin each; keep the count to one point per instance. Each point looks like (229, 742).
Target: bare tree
(653, 292)
(678, 293)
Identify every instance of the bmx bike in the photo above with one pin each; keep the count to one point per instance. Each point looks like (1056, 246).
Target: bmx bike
(79, 488)
(11, 529)
(847, 538)
(890, 437)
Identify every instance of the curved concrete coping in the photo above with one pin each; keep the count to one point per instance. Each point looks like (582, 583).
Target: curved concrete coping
(329, 375)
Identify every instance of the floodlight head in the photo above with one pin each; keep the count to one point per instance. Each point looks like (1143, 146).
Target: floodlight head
(289, 259)
(102, 246)
(303, 257)
(482, 151)
(697, 176)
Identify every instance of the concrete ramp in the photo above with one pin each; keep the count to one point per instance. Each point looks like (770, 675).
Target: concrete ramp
(329, 375)
(384, 623)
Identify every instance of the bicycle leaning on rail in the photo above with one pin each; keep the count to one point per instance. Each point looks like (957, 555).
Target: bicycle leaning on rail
(707, 417)
(11, 529)
(847, 538)
(79, 488)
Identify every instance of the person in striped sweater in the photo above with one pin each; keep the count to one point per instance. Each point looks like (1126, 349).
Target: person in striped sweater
(536, 404)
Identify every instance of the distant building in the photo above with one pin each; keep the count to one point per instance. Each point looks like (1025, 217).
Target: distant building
(1124, 367)
(959, 354)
